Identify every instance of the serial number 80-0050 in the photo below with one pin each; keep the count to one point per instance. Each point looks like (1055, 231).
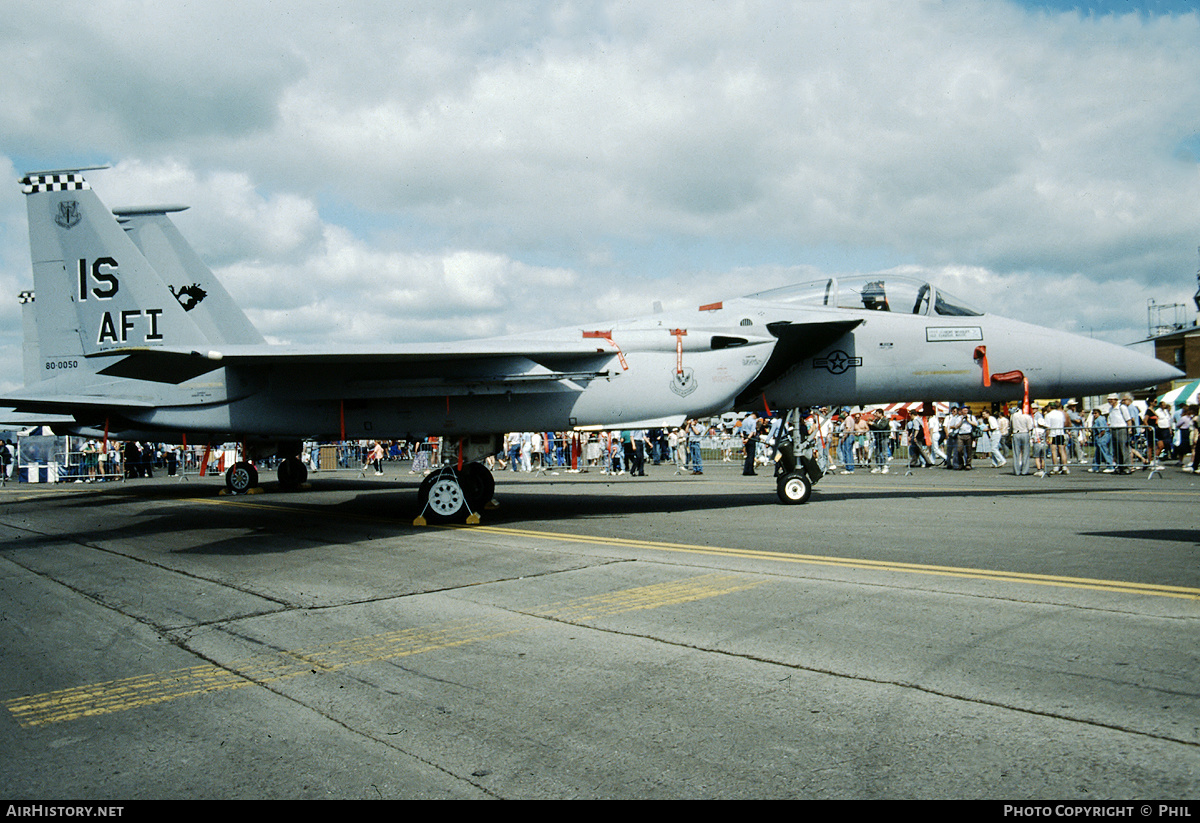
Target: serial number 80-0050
(51, 365)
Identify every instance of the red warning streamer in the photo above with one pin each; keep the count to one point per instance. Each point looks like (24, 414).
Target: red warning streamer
(1015, 377)
(981, 355)
(679, 335)
(607, 335)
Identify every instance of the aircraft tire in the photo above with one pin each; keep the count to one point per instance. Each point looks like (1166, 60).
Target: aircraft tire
(241, 477)
(292, 473)
(442, 497)
(478, 485)
(793, 488)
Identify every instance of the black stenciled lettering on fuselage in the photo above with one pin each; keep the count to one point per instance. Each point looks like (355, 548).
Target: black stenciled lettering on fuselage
(106, 276)
(154, 334)
(130, 321)
(126, 327)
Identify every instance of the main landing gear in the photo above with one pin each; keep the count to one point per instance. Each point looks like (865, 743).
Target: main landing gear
(242, 476)
(292, 473)
(448, 494)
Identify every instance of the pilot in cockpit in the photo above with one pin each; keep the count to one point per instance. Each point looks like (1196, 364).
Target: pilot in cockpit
(874, 297)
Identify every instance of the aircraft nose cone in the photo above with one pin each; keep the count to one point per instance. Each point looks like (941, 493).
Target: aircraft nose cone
(1129, 369)
(1167, 372)
(1084, 366)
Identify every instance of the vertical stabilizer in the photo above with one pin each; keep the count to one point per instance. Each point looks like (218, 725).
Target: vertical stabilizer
(96, 293)
(30, 356)
(190, 281)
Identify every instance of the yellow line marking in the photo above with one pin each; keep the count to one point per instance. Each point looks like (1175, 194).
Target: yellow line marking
(647, 597)
(1091, 584)
(1156, 589)
(146, 690)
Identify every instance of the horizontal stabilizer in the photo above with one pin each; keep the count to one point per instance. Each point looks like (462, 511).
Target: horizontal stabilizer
(162, 366)
(70, 404)
(8, 417)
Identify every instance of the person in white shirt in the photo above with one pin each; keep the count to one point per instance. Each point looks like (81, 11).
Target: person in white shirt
(993, 430)
(1056, 435)
(1038, 441)
(1118, 424)
(935, 438)
(1022, 428)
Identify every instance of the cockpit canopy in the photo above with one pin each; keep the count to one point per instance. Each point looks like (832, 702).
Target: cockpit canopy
(873, 292)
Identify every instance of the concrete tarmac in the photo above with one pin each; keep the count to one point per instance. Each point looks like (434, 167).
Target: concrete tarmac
(928, 635)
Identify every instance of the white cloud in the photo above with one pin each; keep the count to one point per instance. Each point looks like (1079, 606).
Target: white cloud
(347, 291)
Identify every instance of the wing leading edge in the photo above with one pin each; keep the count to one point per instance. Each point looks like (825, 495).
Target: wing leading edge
(451, 362)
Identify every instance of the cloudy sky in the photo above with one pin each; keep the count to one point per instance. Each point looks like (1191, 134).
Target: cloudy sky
(397, 172)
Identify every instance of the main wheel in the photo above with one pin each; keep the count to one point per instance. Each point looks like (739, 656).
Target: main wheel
(292, 473)
(441, 495)
(241, 477)
(478, 485)
(793, 488)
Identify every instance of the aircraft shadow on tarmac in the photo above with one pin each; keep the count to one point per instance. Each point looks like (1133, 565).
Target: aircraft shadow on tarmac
(519, 506)
(1169, 535)
(288, 521)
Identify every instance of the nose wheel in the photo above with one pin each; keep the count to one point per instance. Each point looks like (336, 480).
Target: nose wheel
(793, 488)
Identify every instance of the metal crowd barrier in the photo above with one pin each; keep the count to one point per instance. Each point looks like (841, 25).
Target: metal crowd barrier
(59, 466)
(1095, 449)
(1092, 448)
(1088, 448)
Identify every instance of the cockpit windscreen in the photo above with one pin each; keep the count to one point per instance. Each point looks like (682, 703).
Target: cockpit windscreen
(873, 292)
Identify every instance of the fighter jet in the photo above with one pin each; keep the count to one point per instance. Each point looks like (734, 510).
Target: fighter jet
(136, 337)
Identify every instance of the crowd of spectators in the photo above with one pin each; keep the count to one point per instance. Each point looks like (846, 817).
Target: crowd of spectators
(1119, 436)
(625, 451)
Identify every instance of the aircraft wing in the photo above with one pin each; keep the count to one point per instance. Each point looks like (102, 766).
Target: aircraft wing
(360, 371)
(330, 374)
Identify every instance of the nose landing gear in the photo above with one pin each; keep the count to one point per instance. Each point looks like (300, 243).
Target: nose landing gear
(799, 471)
